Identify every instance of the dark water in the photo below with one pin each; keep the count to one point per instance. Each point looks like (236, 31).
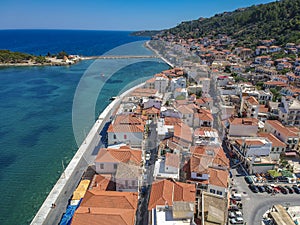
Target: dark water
(36, 132)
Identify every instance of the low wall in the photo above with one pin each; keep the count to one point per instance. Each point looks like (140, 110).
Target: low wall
(68, 181)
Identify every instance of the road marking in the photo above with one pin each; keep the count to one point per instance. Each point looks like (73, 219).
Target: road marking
(247, 199)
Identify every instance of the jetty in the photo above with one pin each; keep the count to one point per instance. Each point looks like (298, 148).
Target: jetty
(120, 57)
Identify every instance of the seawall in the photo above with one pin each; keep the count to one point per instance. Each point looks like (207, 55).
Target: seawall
(68, 181)
(158, 54)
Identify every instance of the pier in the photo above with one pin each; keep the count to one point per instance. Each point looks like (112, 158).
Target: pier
(120, 57)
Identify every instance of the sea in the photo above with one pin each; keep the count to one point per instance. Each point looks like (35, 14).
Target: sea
(36, 106)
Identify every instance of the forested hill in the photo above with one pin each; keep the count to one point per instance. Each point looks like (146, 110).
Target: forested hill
(279, 20)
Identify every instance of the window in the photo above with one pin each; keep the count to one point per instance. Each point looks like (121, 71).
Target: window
(115, 137)
(133, 183)
(219, 192)
(115, 166)
(101, 166)
(125, 136)
(277, 149)
(126, 183)
(212, 191)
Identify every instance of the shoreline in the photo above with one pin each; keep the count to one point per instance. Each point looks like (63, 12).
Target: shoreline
(158, 54)
(64, 187)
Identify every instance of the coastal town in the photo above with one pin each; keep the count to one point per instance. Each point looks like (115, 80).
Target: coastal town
(212, 140)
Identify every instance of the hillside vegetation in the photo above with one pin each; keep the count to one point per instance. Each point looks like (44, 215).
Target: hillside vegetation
(279, 20)
(7, 56)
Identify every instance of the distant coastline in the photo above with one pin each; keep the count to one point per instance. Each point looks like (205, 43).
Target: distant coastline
(11, 59)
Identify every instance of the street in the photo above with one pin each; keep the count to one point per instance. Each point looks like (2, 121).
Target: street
(150, 147)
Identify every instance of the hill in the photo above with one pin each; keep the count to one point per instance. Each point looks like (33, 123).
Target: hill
(145, 33)
(277, 20)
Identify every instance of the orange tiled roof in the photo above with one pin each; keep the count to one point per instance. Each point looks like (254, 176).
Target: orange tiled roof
(218, 177)
(126, 124)
(123, 154)
(244, 121)
(172, 160)
(183, 131)
(252, 100)
(250, 142)
(204, 115)
(102, 182)
(263, 109)
(166, 191)
(287, 131)
(143, 92)
(106, 208)
(275, 141)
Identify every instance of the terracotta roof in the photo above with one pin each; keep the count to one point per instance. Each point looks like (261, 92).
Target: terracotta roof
(166, 191)
(186, 109)
(203, 130)
(276, 83)
(204, 157)
(218, 177)
(151, 110)
(123, 154)
(144, 92)
(129, 123)
(183, 131)
(244, 121)
(106, 208)
(204, 115)
(275, 141)
(286, 131)
(102, 182)
(263, 109)
(172, 160)
(172, 120)
(252, 100)
(250, 142)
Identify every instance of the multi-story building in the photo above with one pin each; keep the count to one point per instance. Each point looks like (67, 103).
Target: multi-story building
(287, 134)
(289, 112)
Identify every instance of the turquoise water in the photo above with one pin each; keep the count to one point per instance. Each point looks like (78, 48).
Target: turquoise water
(36, 132)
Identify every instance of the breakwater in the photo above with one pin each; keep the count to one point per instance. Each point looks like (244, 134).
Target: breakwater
(68, 181)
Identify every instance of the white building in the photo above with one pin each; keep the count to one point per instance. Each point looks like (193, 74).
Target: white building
(178, 82)
(289, 112)
(161, 84)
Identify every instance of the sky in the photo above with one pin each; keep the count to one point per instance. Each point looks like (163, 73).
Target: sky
(110, 14)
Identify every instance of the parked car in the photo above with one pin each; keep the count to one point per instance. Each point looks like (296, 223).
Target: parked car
(231, 214)
(290, 190)
(283, 190)
(236, 197)
(253, 188)
(261, 188)
(237, 220)
(296, 189)
(268, 188)
(249, 180)
(233, 208)
(238, 214)
(276, 189)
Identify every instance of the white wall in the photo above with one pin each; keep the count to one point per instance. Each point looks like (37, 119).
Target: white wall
(243, 130)
(108, 168)
(134, 139)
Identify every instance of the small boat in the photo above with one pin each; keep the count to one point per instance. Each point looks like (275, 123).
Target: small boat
(112, 98)
(102, 75)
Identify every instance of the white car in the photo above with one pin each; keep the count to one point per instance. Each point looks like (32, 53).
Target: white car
(237, 220)
(238, 214)
(147, 156)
